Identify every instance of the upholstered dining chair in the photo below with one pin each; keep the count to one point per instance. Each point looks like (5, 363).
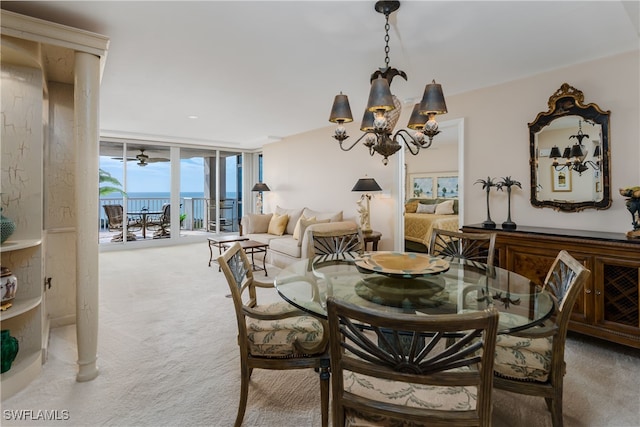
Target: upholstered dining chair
(328, 243)
(273, 336)
(532, 362)
(474, 247)
(395, 369)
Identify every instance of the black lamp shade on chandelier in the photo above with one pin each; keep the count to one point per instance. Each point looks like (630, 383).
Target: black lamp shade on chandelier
(383, 109)
(575, 155)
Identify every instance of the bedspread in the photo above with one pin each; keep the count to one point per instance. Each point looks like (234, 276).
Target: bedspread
(418, 226)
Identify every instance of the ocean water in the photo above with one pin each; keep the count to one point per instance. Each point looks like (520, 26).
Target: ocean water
(163, 195)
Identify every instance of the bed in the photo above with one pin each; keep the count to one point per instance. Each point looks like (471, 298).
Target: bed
(419, 222)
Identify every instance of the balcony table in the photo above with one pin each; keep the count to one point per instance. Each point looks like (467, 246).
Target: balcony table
(144, 219)
(463, 287)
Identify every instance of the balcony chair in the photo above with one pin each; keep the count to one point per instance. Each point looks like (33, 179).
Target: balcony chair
(273, 336)
(471, 247)
(163, 223)
(115, 215)
(395, 369)
(532, 362)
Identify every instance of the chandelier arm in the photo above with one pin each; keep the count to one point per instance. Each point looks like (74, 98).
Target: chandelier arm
(354, 144)
(402, 134)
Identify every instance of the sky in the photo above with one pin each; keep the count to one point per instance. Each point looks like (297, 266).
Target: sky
(156, 177)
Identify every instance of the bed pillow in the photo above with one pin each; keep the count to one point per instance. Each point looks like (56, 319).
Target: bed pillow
(278, 224)
(422, 208)
(445, 208)
(258, 223)
(411, 207)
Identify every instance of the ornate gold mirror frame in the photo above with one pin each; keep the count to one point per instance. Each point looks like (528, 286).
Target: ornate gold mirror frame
(551, 186)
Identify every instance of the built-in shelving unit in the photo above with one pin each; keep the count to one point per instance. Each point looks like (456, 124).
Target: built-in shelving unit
(22, 201)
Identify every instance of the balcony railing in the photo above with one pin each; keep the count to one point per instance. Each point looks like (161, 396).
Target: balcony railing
(199, 213)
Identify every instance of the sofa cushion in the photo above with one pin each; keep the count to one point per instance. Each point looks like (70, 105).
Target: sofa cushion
(331, 216)
(278, 224)
(294, 215)
(286, 245)
(257, 223)
(306, 223)
(296, 230)
(263, 237)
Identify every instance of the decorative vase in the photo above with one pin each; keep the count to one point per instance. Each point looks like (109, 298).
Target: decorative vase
(10, 349)
(7, 227)
(9, 285)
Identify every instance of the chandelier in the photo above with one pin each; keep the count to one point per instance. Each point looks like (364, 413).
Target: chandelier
(383, 109)
(575, 155)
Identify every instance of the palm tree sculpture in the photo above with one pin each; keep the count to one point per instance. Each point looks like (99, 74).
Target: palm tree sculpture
(486, 185)
(508, 182)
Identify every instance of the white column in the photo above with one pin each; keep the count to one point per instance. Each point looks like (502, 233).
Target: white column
(86, 134)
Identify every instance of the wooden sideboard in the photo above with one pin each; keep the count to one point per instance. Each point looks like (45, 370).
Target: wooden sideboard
(609, 307)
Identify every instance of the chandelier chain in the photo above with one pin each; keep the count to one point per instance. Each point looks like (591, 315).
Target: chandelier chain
(386, 40)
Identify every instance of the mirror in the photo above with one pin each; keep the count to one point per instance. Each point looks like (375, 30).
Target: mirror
(569, 149)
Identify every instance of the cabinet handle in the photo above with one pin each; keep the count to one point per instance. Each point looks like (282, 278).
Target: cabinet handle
(598, 293)
(587, 291)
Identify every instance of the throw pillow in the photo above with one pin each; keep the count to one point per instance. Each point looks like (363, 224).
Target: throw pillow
(445, 208)
(426, 208)
(294, 215)
(308, 222)
(411, 207)
(278, 224)
(296, 231)
(258, 223)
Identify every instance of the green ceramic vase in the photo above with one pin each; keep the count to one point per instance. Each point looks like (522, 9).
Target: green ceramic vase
(9, 350)
(7, 227)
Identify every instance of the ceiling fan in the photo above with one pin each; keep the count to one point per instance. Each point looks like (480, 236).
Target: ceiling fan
(143, 159)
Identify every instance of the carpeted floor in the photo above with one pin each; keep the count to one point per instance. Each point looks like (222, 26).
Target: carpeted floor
(168, 357)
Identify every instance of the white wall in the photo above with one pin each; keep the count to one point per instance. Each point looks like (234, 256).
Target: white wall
(310, 170)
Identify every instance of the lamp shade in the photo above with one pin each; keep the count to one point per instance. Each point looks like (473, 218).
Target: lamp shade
(341, 110)
(260, 186)
(576, 151)
(555, 152)
(417, 120)
(366, 184)
(380, 97)
(596, 151)
(433, 100)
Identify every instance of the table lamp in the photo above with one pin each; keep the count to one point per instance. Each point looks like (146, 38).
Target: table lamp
(366, 185)
(260, 187)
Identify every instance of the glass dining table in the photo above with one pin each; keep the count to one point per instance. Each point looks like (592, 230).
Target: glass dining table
(437, 286)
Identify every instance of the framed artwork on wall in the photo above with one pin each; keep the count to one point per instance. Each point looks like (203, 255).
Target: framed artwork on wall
(433, 185)
(560, 179)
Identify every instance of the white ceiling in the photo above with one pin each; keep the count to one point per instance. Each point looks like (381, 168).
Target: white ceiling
(257, 71)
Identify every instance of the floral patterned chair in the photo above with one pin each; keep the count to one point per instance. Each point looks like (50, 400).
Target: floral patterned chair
(532, 362)
(396, 369)
(272, 336)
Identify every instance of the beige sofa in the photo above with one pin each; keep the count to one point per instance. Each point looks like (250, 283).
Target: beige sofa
(293, 242)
